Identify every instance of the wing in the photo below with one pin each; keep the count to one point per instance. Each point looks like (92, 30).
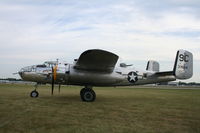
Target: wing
(96, 60)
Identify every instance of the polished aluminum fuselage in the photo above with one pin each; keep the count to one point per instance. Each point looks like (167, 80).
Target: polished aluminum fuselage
(68, 75)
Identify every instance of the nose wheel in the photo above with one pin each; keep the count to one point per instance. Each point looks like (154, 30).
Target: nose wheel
(87, 95)
(34, 94)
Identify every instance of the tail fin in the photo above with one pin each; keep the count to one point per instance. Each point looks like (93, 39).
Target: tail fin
(183, 67)
(153, 66)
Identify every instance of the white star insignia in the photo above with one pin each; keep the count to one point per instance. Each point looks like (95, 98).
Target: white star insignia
(132, 77)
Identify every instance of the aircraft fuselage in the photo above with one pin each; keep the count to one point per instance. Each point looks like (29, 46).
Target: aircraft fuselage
(67, 75)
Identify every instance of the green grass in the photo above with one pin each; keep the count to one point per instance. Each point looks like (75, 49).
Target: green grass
(118, 110)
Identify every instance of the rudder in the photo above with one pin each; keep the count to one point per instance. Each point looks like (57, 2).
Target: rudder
(153, 66)
(183, 67)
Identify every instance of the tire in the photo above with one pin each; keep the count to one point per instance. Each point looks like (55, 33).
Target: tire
(34, 94)
(81, 93)
(88, 95)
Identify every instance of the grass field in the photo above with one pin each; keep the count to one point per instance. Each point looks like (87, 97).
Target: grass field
(127, 110)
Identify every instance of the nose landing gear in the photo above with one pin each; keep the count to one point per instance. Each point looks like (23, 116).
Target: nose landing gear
(34, 93)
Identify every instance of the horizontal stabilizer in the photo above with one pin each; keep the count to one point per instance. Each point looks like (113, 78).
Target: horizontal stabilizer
(167, 73)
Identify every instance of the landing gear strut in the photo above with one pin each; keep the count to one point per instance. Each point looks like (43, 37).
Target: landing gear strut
(34, 93)
(87, 95)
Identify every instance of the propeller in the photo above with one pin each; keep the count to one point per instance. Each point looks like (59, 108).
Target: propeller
(54, 70)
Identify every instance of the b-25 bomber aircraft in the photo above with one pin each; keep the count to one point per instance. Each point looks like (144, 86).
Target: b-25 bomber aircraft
(98, 67)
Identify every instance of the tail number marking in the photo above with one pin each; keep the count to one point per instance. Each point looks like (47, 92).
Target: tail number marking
(183, 67)
(184, 57)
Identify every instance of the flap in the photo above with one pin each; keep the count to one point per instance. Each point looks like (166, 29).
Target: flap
(96, 60)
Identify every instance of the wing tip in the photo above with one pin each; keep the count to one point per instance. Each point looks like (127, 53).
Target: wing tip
(98, 50)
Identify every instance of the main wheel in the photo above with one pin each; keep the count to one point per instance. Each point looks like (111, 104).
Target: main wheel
(87, 95)
(34, 94)
(81, 92)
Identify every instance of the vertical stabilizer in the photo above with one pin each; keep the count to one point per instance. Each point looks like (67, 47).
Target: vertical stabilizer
(183, 67)
(153, 66)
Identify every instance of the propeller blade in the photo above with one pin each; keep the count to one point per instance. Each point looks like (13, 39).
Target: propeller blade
(54, 72)
(52, 81)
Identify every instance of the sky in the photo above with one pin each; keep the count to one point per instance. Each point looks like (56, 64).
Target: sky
(35, 31)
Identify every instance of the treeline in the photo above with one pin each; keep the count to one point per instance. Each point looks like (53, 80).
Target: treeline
(190, 83)
(10, 79)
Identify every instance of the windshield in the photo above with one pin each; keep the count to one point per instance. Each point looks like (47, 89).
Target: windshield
(29, 69)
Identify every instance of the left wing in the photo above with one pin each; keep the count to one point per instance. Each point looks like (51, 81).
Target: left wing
(97, 60)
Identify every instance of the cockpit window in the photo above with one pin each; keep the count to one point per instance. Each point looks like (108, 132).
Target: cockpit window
(39, 68)
(28, 69)
(50, 63)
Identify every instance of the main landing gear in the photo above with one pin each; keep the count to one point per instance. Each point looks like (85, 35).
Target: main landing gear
(87, 94)
(34, 93)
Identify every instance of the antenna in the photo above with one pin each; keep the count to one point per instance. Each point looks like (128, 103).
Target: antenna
(57, 60)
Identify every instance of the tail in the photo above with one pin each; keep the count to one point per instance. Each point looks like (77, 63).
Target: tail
(153, 66)
(183, 67)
